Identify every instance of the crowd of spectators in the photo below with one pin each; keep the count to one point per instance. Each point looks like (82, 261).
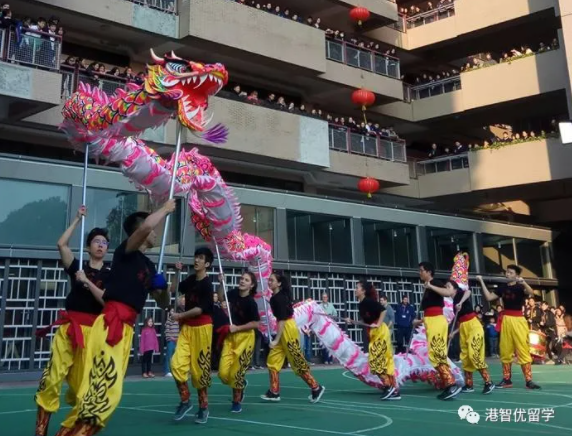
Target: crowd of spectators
(424, 7)
(509, 137)
(293, 105)
(162, 5)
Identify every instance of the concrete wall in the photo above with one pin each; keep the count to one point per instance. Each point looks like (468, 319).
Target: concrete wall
(504, 82)
(124, 13)
(565, 38)
(356, 78)
(383, 8)
(30, 84)
(469, 16)
(254, 31)
(359, 166)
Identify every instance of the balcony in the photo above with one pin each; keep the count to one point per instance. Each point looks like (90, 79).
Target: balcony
(233, 27)
(29, 70)
(157, 18)
(542, 161)
(461, 18)
(526, 79)
(344, 140)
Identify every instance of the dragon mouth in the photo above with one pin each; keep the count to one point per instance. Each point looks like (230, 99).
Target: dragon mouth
(197, 88)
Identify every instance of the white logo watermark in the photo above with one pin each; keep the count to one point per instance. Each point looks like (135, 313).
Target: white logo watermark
(507, 415)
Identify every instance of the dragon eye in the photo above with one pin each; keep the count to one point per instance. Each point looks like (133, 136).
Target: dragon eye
(176, 67)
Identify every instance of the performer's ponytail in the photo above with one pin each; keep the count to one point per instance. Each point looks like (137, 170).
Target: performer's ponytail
(369, 290)
(284, 284)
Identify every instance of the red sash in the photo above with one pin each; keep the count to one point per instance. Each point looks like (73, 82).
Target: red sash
(75, 320)
(433, 311)
(115, 315)
(467, 317)
(198, 320)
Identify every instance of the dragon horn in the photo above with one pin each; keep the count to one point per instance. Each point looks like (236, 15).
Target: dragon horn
(174, 56)
(157, 59)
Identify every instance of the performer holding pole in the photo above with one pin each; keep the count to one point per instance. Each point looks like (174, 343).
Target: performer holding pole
(472, 334)
(437, 328)
(286, 343)
(380, 356)
(132, 277)
(194, 345)
(239, 338)
(514, 329)
(83, 304)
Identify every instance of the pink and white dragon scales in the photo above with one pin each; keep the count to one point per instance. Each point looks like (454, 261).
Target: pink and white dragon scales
(111, 126)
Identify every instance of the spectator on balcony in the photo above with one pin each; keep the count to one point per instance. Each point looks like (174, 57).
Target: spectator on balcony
(302, 108)
(543, 48)
(281, 102)
(489, 60)
(555, 44)
(525, 135)
(459, 148)
(287, 13)
(435, 152)
(317, 23)
(253, 97)
(128, 74)
(271, 98)
(506, 137)
(277, 12)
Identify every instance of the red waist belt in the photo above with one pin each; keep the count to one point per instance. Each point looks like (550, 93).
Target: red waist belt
(75, 320)
(198, 320)
(115, 315)
(433, 311)
(467, 317)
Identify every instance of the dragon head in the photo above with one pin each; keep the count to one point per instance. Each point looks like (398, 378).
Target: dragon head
(186, 84)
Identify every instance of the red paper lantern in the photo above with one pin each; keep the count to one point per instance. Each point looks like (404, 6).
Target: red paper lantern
(368, 185)
(363, 98)
(359, 14)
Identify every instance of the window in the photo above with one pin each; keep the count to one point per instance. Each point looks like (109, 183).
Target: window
(389, 244)
(32, 214)
(256, 220)
(498, 252)
(108, 209)
(529, 255)
(444, 244)
(319, 238)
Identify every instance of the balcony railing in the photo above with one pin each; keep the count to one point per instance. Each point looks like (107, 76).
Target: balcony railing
(432, 89)
(431, 16)
(169, 6)
(72, 76)
(381, 147)
(400, 24)
(362, 58)
(439, 165)
(31, 48)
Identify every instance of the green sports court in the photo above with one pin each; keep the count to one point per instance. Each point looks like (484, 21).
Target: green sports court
(348, 408)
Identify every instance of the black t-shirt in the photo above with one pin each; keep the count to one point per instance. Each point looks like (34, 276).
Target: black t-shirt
(281, 306)
(467, 306)
(80, 299)
(198, 293)
(432, 298)
(513, 297)
(242, 309)
(130, 278)
(370, 310)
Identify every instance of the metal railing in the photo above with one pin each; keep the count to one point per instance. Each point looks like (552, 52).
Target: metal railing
(432, 89)
(341, 138)
(400, 24)
(72, 76)
(431, 16)
(362, 58)
(169, 6)
(439, 165)
(32, 48)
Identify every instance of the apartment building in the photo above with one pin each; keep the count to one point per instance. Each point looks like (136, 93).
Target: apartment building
(296, 172)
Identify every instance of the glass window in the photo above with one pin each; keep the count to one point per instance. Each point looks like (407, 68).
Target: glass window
(32, 213)
(108, 209)
(498, 252)
(529, 255)
(444, 244)
(319, 238)
(256, 220)
(389, 244)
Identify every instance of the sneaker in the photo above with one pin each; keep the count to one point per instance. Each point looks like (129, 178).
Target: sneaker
(145, 375)
(450, 392)
(467, 389)
(505, 384)
(270, 396)
(168, 375)
(182, 410)
(236, 408)
(531, 385)
(387, 392)
(396, 396)
(202, 417)
(489, 387)
(317, 394)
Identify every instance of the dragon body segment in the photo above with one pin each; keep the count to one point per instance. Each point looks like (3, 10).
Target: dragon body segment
(110, 127)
